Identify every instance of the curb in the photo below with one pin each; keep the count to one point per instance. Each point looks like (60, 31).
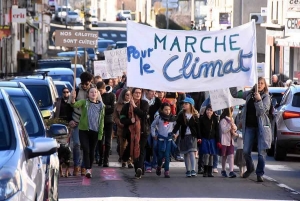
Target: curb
(291, 190)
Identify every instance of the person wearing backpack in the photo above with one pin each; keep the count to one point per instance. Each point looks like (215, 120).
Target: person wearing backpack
(255, 124)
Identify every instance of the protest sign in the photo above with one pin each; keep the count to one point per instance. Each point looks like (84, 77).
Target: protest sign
(116, 61)
(222, 98)
(76, 38)
(190, 61)
(100, 69)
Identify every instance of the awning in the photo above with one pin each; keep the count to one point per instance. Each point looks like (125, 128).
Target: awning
(288, 41)
(32, 25)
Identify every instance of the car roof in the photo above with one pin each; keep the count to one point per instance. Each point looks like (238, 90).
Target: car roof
(277, 89)
(59, 82)
(15, 91)
(106, 40)
(77, 65)
(295, 88)
(54, 71)
(31, 81)
(12, 84)
(121, 42)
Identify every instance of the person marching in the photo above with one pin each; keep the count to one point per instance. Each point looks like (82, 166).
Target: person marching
(188, 123)
(209, 129)
(91, 125)
(163, 124)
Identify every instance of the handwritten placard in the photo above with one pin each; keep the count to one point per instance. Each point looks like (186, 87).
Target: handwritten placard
(222, 98)
(116, 61)
(190, 61)
(100, 69)
(76, 38)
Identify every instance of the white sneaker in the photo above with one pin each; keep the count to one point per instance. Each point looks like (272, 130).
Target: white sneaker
(215, 170)
(88, 173)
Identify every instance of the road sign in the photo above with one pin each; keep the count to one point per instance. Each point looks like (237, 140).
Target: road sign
(170, 5)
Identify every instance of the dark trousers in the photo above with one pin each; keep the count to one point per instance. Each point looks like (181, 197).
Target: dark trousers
(139, 162)
(106, 141)
(88, 142)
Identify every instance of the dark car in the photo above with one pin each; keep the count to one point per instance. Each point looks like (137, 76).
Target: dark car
(44, 92)
(21, 171)
(102, 46)
(121, 44)
(91, 52)
(35, 127)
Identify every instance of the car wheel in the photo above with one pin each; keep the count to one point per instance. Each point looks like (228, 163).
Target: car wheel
(279, 152)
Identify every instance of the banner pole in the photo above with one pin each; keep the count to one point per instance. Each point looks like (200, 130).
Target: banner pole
(74, 81)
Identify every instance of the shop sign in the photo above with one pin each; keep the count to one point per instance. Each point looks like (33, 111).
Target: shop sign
(4, 31)
(293, 5)
(292, 25)
(18, 15)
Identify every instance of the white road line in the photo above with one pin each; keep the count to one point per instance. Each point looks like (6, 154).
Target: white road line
(291, 190)
(113, 35)
(104, 34)
(279, 168)
(123, 35)
(157, 199)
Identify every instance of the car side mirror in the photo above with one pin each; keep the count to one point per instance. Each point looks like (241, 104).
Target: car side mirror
(41, 146)
(57, 130)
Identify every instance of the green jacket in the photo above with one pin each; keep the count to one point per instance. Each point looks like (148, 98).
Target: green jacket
(83, 123)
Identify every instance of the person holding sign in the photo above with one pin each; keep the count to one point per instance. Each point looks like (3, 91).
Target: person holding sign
(227, 132)
(90, 125)
(188, 123)
(209, 127)
(256, 124)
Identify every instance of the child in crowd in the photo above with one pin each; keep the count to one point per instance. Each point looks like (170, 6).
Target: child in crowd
(239, 159)
(227, 132)
(188, 123)
(163, 124)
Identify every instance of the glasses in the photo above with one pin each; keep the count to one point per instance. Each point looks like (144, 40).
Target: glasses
(65, 92)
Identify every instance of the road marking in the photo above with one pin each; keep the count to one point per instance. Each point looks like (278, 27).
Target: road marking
(291, 190)
(279, 168)
(109, 174)
(86, 181)
(113, 35)
(156, 199)
(70, 181)
(104, 34)
(123, 35)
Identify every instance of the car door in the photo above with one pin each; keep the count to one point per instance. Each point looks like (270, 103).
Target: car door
(31, 168)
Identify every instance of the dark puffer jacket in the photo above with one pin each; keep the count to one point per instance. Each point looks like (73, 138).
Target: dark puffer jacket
(109, 100)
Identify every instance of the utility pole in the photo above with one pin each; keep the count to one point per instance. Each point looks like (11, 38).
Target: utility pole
(167, 14)
(66, 14)
(85, 24)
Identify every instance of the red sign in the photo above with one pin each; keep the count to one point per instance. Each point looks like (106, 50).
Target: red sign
(4, 31)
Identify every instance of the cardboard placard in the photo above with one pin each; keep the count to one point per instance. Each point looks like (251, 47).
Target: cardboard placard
(76, 38)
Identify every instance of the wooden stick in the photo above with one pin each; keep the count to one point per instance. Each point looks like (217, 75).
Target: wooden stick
(74, 83)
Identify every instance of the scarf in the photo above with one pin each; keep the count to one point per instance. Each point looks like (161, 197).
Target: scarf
(135, 133)
(150, 102)
(167, 118)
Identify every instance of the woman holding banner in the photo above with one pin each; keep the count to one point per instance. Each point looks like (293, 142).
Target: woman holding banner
(256, 124)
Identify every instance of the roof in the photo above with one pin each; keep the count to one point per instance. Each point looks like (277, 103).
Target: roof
(15, 91)
(31, 81)
(58, 71)
(77, 65)
(59, 83)
(277, 89)
(105, 40)
(122, 42)
(13, 84)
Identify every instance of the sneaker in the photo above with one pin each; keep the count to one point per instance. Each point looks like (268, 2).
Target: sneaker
(179, 158)
(83, 171)
(223, 173)
(193, 173)
(158, 171)
(167, 175)
(215, 170)
(76, 171)
(130, 165)
(232, 175)
(138, 173)
(88, 173)
(148, 169)
(188, 173)
(260, 179)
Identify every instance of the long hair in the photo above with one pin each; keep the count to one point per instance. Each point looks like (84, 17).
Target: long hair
(226, 113)
(193, 111)
(121, 98)
(266, 89)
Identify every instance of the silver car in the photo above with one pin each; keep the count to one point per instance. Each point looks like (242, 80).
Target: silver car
(21, 171)
(286, 136)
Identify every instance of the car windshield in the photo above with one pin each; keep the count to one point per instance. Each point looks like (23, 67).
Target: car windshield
(296, 100)
(29, 115)
(121, 45)
(78, 72)
(67, 78)
(5, 139)
(104, 44)
(41, 94)
(126, 12)
(72, 13)
(59, 88)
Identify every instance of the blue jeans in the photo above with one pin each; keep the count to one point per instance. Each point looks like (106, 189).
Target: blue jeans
(76, 147)
(164, 154)
(250, 135)
(215, 162)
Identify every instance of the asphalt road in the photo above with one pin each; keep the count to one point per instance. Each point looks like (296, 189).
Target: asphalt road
(116, 183)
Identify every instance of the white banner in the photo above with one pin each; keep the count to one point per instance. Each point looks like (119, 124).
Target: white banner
(190, 61)
(116, 61)
(100, 69)
(222, 98)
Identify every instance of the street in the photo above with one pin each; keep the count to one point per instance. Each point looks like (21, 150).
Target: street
(116, 183)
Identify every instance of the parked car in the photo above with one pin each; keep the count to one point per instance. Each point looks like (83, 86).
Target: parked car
(60, 74)
(35, 127)
(60, 85)
(286, 135)
(123, 15)
(94, 21)
(22, 175)
(79, 70)
(117, 45)
(43, 90)
(73, 18)
(102, 46)
(91, 52)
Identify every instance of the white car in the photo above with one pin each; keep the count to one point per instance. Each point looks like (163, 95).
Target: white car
(94, 21)
(73, 18)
